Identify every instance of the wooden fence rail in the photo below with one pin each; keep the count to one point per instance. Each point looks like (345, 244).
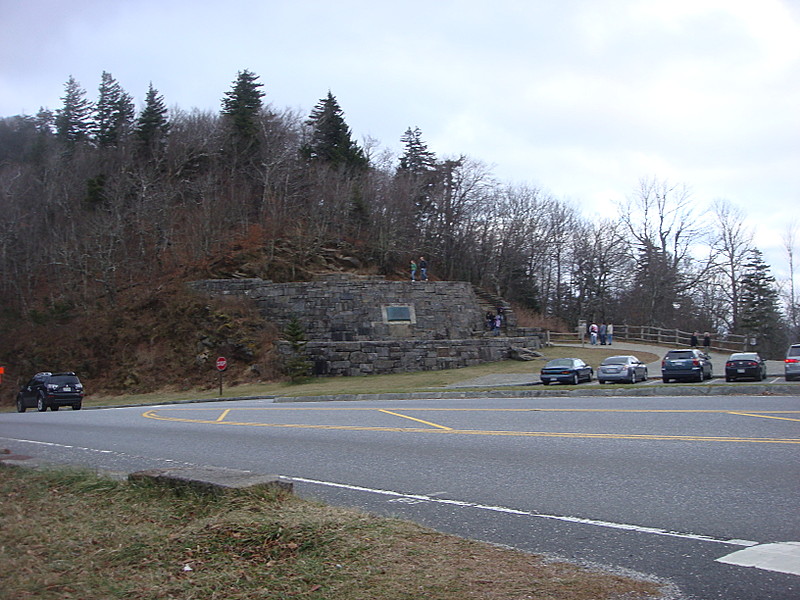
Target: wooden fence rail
(658, 336)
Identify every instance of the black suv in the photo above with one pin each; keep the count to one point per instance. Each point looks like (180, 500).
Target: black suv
(690, 365)
(51, 390)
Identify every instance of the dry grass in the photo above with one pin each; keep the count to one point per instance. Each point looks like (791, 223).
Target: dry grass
(67, 534)
(371, 384)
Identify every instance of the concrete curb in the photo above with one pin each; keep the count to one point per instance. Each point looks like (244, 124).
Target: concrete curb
(204, 480)
(777, 389)
(213, 480)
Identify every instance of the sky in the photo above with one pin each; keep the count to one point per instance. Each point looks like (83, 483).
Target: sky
(581, 98)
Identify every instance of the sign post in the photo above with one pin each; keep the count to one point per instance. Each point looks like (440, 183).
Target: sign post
(222, 364)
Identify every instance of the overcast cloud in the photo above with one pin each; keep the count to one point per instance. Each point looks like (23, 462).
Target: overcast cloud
(580, 97)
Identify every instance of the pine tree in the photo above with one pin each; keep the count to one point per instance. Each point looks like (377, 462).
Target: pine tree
(241, 107)
(759, 315)
(417, 159)
(297, 365)
(331, 141)
(114, 112)
(74, 119)
(152, 125)
(419, 169)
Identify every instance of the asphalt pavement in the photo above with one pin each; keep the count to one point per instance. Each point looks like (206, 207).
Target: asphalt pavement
(718, 359)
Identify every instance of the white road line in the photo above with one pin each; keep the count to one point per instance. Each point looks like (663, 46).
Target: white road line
(781, 557)
(419, 498)
(778, 557)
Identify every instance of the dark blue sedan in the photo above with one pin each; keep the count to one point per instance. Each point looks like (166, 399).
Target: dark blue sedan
(566, 370)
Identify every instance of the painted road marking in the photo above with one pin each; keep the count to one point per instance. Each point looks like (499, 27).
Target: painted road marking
(388, 412)
(741, 414)
(783, 557)
(400, 497)
(165, 414)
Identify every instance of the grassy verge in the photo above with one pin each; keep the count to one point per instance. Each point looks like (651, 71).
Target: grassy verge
(372, 384)
(71, 534)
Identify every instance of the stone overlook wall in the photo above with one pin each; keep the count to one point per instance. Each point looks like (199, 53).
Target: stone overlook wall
(360, 325)
(338, 308)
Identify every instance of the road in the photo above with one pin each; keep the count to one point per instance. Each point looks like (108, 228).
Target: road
(665, 486)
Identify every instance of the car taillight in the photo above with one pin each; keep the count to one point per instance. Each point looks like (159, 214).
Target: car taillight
(729, 364)
(696, 362)
(792, 360)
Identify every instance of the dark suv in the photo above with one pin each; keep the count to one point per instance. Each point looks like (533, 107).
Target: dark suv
(51, 390)
(690, 364)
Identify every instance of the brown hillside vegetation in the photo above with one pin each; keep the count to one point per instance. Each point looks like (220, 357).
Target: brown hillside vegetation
(154, 337)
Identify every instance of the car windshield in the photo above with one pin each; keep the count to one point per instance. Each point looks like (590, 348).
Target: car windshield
(560, 362)
(744, 356)
(616, 360)
(64, 380)
(794, 351)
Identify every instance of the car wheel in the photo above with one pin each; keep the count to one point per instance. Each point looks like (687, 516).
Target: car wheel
(20, 405)
(76, 406)
(729, 379)
(601, 381)
(701, 376)
(41, 405)
(665, 379)
(54, 408)
(633, 377)
(575, 380)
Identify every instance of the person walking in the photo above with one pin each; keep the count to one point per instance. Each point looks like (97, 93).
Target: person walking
(706, 342)
(593, 333)
(609, 333)
(694, 339)
(413, 271)
(423, 269)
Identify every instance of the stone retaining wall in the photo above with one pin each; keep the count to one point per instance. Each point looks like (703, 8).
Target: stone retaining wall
(359, 325)
(402, 356)
(350, 308)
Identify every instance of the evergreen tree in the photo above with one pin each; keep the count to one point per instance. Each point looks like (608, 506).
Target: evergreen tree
(152, 125)
(297, 365)
(417, 159)
(331, 141)
(241, 107)
(74, 119)
(760, 315)
(114, 112)
(419, 170)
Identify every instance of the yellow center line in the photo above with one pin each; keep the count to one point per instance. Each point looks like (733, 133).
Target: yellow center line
(762, 416)
(223, 415)
(388, 412)
(153, 414)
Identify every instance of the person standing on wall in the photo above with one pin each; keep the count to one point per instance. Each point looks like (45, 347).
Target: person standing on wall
(423, 269)
(706, 342)
(413, 271)
(693, 340)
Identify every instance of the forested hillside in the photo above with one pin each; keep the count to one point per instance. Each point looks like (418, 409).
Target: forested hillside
(107, 209)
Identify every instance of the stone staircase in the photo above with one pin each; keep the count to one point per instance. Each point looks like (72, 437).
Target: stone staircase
(490, 303)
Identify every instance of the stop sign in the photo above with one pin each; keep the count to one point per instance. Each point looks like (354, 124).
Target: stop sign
(222, 363)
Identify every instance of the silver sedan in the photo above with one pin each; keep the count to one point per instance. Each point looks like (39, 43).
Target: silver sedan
(622, 368)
